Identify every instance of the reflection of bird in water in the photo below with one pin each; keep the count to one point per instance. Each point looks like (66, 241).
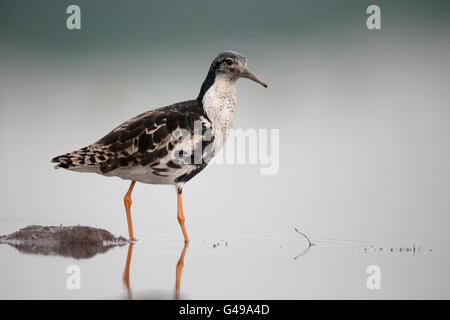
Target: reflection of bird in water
(126, 272)
(168, 145)
(178, 272)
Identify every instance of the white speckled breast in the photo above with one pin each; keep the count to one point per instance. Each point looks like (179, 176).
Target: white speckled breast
(219, 103)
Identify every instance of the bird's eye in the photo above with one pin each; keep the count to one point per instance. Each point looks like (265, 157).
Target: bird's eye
(229, 62)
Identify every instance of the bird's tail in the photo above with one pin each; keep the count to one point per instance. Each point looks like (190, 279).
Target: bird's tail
(85, 157)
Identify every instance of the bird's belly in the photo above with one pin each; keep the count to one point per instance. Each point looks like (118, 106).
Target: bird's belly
(149, 175)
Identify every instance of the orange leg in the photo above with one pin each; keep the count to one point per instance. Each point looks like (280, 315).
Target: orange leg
(127, 201)
(126, 272)
(180, 215)
(180, 266)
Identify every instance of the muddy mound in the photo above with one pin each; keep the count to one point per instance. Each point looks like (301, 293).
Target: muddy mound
(80, 242)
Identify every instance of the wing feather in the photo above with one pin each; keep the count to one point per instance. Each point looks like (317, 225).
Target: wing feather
(144, 140)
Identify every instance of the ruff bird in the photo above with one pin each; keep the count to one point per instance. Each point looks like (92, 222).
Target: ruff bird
(172, 144)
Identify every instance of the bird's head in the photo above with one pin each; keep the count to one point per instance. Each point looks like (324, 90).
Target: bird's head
(231, 66)
(234, 66)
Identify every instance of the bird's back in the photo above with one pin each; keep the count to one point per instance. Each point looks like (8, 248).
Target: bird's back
(143, 147)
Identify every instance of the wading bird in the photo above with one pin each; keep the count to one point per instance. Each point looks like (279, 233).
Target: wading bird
(168, 145)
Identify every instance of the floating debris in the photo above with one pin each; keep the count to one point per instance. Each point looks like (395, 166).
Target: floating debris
(412, 249)
(306, 237)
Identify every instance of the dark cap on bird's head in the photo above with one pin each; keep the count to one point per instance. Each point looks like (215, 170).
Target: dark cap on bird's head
(228, 55)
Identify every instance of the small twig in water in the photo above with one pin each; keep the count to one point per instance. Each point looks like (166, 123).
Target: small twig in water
(304, 235)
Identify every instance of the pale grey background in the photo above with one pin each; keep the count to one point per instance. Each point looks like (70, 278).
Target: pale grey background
(364, 121)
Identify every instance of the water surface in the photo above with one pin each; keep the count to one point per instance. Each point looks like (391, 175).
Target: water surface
(250, 267)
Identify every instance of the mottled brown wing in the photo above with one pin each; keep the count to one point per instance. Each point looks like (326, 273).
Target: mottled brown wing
(148, 138)
(142, 140)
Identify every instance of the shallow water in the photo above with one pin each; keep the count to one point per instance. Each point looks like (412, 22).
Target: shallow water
(251, 267)
(363, 154)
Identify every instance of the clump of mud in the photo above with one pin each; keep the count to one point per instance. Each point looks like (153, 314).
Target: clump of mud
(79, 242)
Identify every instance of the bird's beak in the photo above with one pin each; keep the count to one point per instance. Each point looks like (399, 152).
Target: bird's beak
(249, 75)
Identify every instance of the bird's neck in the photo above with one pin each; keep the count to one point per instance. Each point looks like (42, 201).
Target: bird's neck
(219, 102)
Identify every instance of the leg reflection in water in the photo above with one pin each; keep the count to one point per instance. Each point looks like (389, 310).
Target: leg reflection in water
(126, 272)
(179, 270)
